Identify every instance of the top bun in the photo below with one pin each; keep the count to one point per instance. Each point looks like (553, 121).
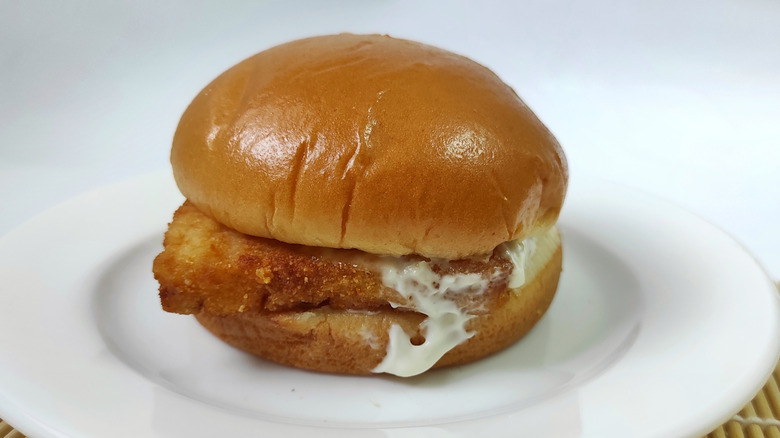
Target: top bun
(369, 142)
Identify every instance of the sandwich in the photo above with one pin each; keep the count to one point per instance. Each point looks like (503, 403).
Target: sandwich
(360, 204)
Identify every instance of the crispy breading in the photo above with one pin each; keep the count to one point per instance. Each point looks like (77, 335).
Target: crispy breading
(208, 267)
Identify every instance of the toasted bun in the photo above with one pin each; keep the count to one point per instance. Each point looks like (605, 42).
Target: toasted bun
(337, 341)
(369, 142)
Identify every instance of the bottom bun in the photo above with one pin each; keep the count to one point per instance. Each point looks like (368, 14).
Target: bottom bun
(355, 342)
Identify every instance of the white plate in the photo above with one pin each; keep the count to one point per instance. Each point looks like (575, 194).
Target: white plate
(662, 326)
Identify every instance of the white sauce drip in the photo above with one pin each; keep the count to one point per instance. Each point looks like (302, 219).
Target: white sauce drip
(519, 252)
(427, 292)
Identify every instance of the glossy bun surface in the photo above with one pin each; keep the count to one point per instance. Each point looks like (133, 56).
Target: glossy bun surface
(369, 142)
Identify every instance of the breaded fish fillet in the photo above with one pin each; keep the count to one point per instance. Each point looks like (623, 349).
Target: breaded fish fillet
(207, 267)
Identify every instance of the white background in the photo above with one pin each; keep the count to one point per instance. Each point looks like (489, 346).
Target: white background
(677, 98)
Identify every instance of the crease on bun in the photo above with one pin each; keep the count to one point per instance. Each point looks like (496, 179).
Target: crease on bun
(369, 142)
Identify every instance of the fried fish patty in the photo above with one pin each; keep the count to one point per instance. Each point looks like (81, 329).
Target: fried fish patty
(207, 267)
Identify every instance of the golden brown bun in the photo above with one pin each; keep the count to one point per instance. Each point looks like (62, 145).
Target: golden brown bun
(369, 142)
(339, 341)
